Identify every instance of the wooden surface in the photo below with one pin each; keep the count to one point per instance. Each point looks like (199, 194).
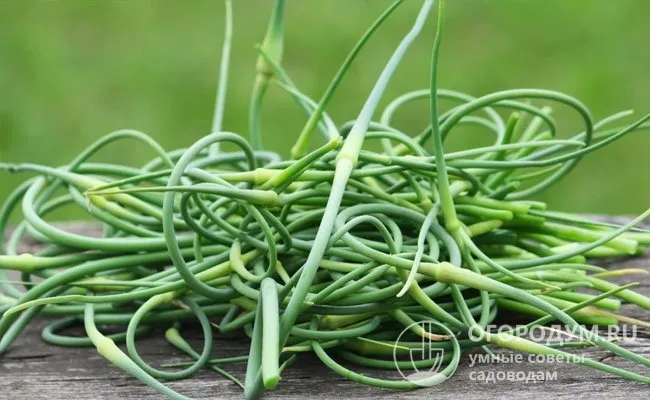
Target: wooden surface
(32, 369)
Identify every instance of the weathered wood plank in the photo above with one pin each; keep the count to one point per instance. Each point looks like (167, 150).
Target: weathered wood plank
(35, 370)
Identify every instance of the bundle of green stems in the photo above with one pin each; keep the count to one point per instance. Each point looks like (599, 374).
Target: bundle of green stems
(335, 251)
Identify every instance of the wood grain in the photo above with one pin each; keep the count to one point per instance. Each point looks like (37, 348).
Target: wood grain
(32, 369)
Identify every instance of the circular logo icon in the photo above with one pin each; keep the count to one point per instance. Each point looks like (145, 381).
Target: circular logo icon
(421, 361)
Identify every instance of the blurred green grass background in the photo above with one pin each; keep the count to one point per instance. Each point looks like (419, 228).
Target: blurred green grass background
(71, 71)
